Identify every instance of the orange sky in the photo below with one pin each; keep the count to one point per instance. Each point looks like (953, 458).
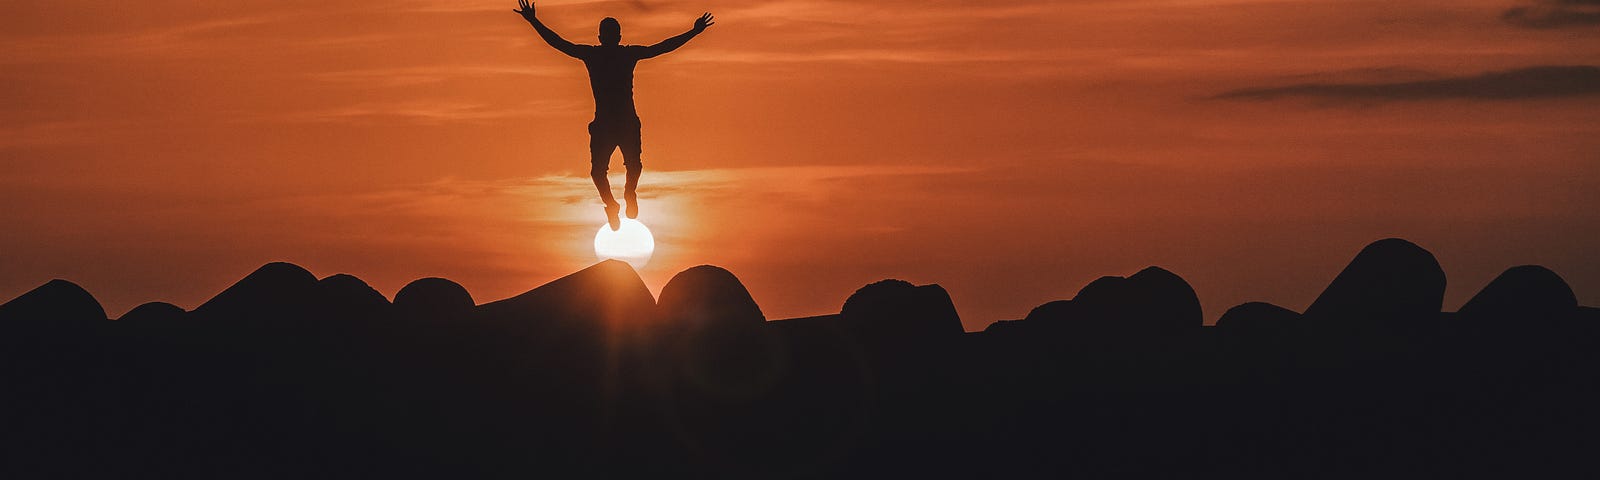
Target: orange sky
(1009, 150)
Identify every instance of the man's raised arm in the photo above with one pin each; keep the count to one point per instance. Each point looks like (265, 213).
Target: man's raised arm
(673, 43)
(546, 33)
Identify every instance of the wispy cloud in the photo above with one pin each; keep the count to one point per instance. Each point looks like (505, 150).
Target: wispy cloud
(505, 218)
(427, 74)
(569, 200)
(1523, 83)
(47, 133)
(428, 112)
(793, 182)
(180, 40)
(456, 6)
(1547, 14)
(875, 56)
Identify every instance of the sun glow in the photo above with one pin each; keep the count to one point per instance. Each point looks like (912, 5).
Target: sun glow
(632, 243)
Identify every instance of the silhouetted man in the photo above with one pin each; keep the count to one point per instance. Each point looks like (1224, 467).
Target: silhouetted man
(616, 124)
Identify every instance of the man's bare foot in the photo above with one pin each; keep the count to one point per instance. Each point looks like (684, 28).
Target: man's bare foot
(611, 216)
(633, 205)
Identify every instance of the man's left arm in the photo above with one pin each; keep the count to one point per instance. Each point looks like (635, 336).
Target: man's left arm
(673, 43)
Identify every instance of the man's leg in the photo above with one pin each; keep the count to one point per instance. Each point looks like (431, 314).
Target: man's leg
(630, 190)
(599, 159)
(597, 172)
(631, 153)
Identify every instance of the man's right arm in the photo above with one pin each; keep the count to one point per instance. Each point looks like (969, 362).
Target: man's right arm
(670, 44)
(546, 33)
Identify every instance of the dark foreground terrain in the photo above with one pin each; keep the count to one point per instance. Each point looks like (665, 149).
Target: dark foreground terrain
(286, 376)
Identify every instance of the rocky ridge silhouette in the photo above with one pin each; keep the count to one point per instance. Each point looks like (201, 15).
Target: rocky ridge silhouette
(285, 375)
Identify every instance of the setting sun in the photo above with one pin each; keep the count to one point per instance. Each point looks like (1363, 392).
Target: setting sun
(632, 243)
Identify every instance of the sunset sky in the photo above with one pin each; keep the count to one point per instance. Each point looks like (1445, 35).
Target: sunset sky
(1009, 150)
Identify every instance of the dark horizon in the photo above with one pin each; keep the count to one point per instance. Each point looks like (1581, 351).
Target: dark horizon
(286, 375)
(1208, 321)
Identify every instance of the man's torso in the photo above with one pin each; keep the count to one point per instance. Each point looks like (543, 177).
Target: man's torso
(611, 78)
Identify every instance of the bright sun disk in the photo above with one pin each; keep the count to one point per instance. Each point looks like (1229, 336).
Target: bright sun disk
(632, 243)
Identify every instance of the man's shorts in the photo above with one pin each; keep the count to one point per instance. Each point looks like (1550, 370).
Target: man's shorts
(608, 135)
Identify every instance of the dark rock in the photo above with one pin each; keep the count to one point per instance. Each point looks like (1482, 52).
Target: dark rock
(433, 298)
(896, 307)
(1106, 300)
(58, 305)
(1152, 300)
(1528, 291)
(275, 289)
(1257, 316)
(153, 312)
(1003, 325)
(608, 294)
(714, 333)
(1391, 280)
(826, 321)
(1059, 309)
(707, 296)
(1165, 300)
(347, 295)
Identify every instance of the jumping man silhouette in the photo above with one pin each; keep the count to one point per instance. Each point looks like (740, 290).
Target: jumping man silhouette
(616, 123)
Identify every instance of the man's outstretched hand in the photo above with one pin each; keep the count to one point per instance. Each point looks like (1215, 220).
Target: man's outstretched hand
(700, 24)
(527, 9)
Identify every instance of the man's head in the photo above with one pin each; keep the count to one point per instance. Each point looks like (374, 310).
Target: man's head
(610, 31)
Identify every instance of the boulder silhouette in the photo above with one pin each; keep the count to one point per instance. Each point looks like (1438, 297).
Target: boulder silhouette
(707, 296)
(433, 298)
(1389, 280)
(275, 289)
(713, 332)
(1048, 319)
(1257, 316)
(1151, 300)
(343, 294)
(58, 305)
(1106, 300)
(896, 307)
(607, 294)
(1528, 291)
(1059, 309)
(1003, 326)
(1166, 301)
(153, 312)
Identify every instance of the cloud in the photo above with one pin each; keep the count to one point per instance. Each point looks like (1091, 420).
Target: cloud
(429, 74)
(544, 216)
(794, 182)
(1524, 83)
(1548, 14)
(47, 133)
(453, 196)
(870, 56)
(427, 112)
(457, 6)
(182, 40)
